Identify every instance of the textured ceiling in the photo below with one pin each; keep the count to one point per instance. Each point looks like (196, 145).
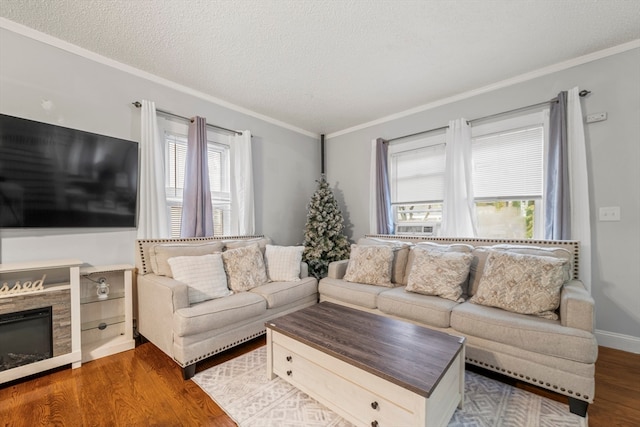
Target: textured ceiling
(327, 65)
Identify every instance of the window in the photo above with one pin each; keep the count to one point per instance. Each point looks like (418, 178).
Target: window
(416, 171)
(508, 162)
(219, 177)
(508, 159)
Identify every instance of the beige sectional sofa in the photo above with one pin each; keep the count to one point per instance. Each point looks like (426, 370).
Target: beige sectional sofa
(557, 353)
(190, 325)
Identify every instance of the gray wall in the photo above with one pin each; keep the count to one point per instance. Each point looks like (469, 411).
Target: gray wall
(613, 151)
(94, 97)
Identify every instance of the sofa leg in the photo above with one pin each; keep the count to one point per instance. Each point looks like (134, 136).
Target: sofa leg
(188, 371)
(578, 407)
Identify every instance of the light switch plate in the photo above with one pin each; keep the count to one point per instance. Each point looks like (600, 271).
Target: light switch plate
(611, 213)
(596, 117)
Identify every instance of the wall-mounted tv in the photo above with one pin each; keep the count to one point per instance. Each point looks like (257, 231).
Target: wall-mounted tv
(56, 177)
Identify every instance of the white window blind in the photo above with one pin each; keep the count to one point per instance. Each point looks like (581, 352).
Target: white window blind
(417, 175)
(508, 164)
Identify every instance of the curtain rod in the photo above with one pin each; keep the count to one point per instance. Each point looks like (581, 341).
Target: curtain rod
(582, 94)
(167, 113)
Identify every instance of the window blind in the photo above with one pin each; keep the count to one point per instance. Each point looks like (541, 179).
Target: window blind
(418, 175)
(508, 164)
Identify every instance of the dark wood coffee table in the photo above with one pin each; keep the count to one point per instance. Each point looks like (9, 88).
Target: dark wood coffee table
(370, 369)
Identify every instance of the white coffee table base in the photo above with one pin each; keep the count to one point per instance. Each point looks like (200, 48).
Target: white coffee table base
(359, 396)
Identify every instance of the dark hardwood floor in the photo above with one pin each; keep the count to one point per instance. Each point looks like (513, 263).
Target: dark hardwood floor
(143, 387)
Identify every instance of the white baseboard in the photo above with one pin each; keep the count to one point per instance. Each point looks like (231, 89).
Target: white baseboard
(618, 341)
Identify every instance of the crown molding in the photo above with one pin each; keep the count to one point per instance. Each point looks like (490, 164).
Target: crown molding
(494, 86)
(92, 56)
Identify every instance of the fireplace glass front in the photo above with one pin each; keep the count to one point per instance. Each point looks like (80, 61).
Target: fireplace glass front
(25, 337)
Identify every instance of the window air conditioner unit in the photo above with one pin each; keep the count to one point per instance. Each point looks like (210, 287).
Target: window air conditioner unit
(419, 229)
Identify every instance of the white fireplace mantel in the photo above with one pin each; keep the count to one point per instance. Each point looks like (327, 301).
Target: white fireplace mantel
(69, 270)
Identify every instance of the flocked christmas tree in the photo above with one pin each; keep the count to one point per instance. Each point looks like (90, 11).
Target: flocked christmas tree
(323, 238)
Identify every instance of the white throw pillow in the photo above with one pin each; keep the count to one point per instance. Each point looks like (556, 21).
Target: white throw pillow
(283, 263)
(204, 276)
(159, 254)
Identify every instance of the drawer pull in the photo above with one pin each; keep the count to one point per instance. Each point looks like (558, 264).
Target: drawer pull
(289, 373)
(374, 423)
(374, 405)
(288, 358)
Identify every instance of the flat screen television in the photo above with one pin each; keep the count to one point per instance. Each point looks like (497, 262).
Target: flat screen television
(56, 177)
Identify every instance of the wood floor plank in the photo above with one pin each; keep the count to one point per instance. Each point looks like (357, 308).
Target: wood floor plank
(144, 387)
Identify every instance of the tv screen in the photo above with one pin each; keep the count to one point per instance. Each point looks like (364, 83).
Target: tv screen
(52, 176)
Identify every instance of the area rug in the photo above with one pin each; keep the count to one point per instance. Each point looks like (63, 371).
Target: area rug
(241, 388)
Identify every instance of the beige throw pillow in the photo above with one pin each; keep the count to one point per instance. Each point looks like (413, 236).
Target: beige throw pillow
(204, 276)
(283, 263)
(245, 267)
(522, 283)
(400, 256)
(159, 254)
(440, 273)
(370, 265)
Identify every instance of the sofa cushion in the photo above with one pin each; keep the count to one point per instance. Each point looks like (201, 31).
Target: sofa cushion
(278, 294)
(241, 243)
(217, 313)
(400, 256)
(480, 254)
(425, 309)
(245, 267)
(529, 333)
(160, 253)
(352, 293)
(204, 276)
(522, 283)
(283, 262)
(370, 264)
(439, 273)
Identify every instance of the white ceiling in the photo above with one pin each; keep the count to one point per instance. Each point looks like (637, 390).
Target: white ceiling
(328, 65)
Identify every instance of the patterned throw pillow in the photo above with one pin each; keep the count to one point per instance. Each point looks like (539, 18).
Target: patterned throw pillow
(522, 283)
(370, 265)
(441, 273)
(245, 267)
(204, 276)
(400, 256)
(283, 263)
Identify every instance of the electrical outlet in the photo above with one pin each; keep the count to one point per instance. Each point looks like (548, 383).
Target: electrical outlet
(596, 117)
(610, 213)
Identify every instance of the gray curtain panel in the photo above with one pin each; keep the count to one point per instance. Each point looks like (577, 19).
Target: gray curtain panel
(197, 216)
(556, 191)
(383, 196)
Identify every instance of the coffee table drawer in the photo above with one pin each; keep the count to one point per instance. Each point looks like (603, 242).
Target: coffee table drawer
(341, 390)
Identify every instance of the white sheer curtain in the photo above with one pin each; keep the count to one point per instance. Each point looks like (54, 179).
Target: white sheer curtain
(153, 219)
(242, 200)
(373, 190)
(458, 208)
(579, 184)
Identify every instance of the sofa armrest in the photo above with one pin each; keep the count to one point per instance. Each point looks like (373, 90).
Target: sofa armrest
(158, 298)
(576, 306)
(304, 270)
(337, 269)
